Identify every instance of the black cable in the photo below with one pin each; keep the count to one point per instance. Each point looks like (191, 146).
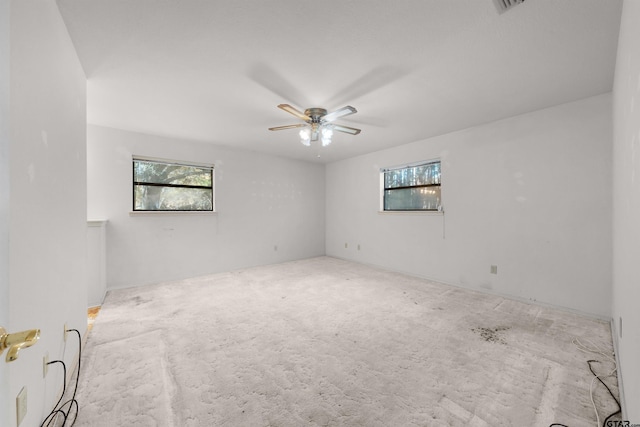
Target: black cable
(59, 409)
(55, 411)
(604, 423)
(73, 400)
(64, 379)
(608, 389)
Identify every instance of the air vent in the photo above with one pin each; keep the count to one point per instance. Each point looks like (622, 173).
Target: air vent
(504, 5)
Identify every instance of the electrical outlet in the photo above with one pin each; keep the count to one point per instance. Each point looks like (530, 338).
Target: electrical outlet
(45, 365)
(21, 405)
(65, 332)
(275, 248)
(358, 246)
(494, 269)
(346, 245)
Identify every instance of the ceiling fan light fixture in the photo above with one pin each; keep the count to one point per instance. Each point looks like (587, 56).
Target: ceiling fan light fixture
(305, 136)
(318, 124)
(325, 135)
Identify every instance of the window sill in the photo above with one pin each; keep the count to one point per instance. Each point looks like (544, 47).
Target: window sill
(428, 213)
(152, 213)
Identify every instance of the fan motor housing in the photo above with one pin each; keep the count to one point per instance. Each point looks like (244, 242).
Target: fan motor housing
(316, 114)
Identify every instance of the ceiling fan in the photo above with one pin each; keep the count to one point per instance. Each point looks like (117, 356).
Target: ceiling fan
(318, 123)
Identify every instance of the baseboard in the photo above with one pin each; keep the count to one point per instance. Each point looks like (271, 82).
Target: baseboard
(614, 335)
(602, 318)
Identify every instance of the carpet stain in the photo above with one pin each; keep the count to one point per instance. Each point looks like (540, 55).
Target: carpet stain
(92, 314)
(138, 300)
(492, 334)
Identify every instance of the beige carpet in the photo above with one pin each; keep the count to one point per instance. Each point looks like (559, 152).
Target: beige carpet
(325, 342)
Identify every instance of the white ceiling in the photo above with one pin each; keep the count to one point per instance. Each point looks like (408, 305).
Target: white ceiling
(215, 71)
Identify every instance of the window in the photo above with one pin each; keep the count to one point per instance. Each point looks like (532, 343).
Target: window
(412, 187)
(171, 186)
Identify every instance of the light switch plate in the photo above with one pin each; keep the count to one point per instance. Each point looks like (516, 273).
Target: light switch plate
(21, 405)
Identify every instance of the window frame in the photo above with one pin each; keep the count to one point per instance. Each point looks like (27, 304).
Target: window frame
(134, 183)
(437, 210)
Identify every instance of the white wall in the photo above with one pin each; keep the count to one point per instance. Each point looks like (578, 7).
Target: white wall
(5, 408)
(262, 202)
(626, 204)
(530, 194)
(47, 199)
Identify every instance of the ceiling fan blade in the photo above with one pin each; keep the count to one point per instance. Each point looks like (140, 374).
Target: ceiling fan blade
(288, 127)
(275, 82)
(346, 129)
(299, 114)
(372, 81)
(344, 111)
